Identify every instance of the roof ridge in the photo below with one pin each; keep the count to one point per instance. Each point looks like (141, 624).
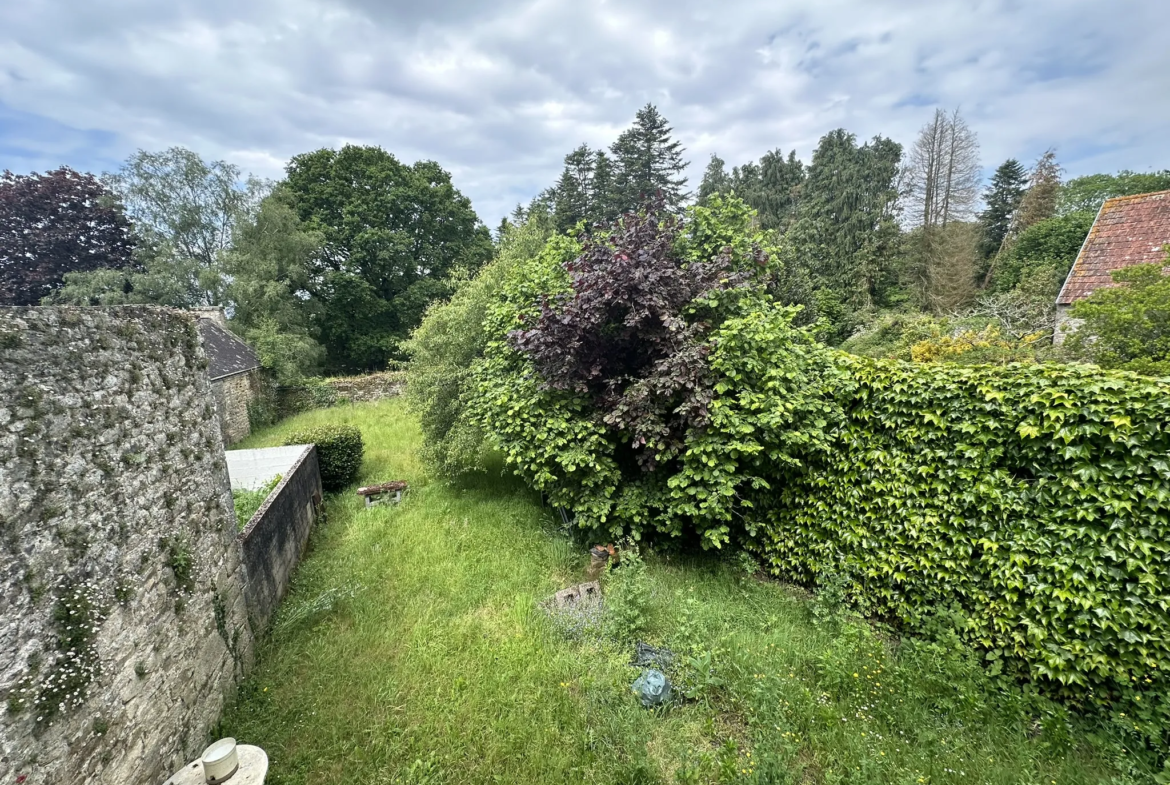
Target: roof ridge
(1135, 197)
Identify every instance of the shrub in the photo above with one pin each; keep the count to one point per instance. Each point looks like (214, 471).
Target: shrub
(1037, 498)
(594, 370)
(339, 453)
(444, 347)
(1033, 500)
(1126, 327)
(248, 502)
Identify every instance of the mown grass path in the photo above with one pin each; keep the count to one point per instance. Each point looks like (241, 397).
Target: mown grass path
(411, 650)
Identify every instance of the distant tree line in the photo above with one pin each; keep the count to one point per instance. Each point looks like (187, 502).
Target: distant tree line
(331, 268)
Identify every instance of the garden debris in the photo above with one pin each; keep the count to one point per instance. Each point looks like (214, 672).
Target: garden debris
(652, 688)
(579, 596)
(386, 493)
(647, 656)
(598, 556)
(577, 611)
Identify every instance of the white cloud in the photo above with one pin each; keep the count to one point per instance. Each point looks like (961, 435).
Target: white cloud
(499, 92)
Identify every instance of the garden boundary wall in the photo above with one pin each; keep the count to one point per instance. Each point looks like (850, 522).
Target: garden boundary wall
(323, 393)
(122, 588)
(275, 538)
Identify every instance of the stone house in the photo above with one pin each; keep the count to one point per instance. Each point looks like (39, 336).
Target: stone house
(234, 371)
(1129, 230)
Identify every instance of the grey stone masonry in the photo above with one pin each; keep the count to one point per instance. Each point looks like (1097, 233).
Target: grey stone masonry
(123, 625)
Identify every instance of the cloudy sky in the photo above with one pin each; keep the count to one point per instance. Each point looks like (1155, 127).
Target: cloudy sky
(498, 92)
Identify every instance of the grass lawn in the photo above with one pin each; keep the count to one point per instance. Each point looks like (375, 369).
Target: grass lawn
(411, 650)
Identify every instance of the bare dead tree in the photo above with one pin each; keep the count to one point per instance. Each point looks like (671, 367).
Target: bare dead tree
(943, 174)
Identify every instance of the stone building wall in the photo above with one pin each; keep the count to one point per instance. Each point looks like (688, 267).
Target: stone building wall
(233, 394)
(122, 614)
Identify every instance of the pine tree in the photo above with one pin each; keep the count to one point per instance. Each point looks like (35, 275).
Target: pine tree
(573, 193)
(1003, 198)
(715, 180)
(648, 162)
(603, 206)
(779, 190)
(846, 231)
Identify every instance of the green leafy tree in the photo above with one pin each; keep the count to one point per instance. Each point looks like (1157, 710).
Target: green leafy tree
(448, 343)
(393, 235)
(1086, 194)
(647, 161)
(1128, 326)
(846, 229)
(186, 212)
(270, 266)
(1002, 199)
(1053, 243)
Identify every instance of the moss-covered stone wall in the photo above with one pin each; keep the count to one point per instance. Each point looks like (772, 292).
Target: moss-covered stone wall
(122, 618)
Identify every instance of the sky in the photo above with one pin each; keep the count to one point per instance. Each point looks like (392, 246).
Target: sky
(498, 92)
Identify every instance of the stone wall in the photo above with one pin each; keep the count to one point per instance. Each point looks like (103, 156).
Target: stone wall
(275, 537)
(232, 396)
(370, 387)
(323, 393)
(122, 612)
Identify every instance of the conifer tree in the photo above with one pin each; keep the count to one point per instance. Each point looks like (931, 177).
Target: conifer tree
(1039, 201)
(1002, 198)
(715, 179)
(779, 190)
(846, 230)
(648, 161)
(573, 193)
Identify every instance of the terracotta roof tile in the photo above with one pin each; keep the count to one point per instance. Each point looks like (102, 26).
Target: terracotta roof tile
(1129, 230)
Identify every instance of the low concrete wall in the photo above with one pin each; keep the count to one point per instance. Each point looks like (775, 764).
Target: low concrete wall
(275, 538)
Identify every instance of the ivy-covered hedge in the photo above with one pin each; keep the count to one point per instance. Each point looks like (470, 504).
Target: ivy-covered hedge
(1030, 501)
(1036, 498)
(339, 453)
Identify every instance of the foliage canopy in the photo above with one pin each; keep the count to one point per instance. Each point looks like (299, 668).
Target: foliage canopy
(54, 224)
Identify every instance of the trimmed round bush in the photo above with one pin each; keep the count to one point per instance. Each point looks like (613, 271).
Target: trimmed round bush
(339, 453)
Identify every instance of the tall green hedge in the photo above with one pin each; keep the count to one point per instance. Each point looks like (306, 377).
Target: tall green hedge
(1037, 498)
(339, 453)
(1031, 501)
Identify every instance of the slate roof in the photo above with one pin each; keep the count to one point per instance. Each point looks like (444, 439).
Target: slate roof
(1129, 230)
(227, 355)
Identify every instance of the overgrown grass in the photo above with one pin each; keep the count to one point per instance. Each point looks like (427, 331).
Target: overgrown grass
(411, 650)
(247, 502)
